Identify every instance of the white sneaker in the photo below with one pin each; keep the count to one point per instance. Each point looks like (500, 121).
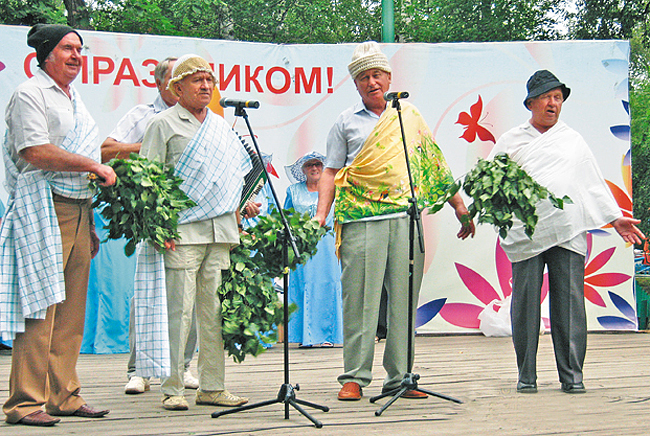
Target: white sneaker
(190, 381)
(137, 385)
(175, 402)
(219, 398)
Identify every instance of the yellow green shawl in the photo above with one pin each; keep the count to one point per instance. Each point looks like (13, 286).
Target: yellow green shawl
(376, 182)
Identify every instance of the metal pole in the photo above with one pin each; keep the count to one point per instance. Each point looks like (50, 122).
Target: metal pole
(387, 21)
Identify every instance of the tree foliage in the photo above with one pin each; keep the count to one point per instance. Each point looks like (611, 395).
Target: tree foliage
(640, 131)
(477, 20)
(30, 12)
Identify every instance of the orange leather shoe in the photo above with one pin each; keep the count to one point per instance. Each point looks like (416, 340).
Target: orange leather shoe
(350, 391)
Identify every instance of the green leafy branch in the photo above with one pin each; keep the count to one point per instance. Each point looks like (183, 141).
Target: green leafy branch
(251, 309)
(143, 203)
(501, 190)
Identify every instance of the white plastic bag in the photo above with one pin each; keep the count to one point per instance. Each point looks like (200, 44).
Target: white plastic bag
(495, 318)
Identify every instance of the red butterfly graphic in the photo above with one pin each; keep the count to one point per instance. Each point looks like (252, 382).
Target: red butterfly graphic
(471, 121)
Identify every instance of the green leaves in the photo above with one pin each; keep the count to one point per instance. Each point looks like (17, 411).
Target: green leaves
(501, 190)
(250, 305)
(144, 202)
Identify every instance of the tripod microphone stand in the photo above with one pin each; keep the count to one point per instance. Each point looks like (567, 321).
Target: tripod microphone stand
(287, 392)
(410, 380)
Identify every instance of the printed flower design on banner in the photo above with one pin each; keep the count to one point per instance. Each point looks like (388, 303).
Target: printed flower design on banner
(617, 322)
(594, 280)
(622, 199)
(622, 131)
(2, 66)
(471, 120)
(466, 314)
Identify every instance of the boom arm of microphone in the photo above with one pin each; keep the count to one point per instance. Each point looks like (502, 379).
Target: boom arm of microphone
(231, 102)
(390, 96)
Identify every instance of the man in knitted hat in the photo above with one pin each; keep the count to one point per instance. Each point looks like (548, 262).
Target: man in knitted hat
(212, 161)
(558, 158)
(366, 169)
(48, 236)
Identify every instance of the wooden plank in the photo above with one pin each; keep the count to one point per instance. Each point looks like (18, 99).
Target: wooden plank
(480, 371)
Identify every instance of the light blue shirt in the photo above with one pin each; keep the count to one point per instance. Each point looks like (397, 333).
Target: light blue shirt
(349, 133)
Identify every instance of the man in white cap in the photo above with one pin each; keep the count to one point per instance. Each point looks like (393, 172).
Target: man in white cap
(211, 160)
(48, 236)
(367, 167)
(558, 158)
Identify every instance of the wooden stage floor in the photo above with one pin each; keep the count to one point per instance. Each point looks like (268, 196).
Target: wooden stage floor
(478, 370)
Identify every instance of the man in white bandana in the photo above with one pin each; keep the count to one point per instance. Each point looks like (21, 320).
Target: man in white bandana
(48, 237)
(558, 158)
(211, 160)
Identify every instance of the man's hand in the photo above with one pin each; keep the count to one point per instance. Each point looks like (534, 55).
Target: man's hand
(170, 244)
(625, 226)
(462, 214)
(94, 242)
(251, 210)
(105, 173)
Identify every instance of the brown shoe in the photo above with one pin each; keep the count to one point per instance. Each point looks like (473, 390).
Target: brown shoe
(350, 391)
(39, 419)
(86, 411)
(414, 395)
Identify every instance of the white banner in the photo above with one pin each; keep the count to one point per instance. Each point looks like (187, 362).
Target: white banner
(303, 88)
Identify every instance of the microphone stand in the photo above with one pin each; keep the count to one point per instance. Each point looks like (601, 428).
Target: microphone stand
(287, 392)
(410, 380)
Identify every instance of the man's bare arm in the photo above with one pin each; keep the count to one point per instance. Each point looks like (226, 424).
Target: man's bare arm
(112, 149)
(326, 192)
(52, 158)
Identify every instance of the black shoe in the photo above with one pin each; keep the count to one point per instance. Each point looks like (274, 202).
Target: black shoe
(573, 388)
(526, 388)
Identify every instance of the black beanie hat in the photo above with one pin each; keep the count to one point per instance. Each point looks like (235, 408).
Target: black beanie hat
(44, 37)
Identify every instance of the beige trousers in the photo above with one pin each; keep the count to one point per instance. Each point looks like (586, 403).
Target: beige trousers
(193, 274)
(44, 357)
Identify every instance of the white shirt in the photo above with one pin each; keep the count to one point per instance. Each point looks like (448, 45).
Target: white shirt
(130, 129)
(38, 113)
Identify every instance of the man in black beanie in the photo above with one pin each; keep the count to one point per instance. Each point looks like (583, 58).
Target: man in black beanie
(48, 236)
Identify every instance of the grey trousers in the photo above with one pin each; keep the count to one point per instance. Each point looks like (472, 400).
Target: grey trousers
(566, 271)
(375, 253)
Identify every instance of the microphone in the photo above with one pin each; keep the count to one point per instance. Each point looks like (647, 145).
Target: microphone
(231, 102)
(390, 96)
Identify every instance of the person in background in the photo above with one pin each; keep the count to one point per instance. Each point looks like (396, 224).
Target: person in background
(314, 287)
(556, 157)
(48, 236)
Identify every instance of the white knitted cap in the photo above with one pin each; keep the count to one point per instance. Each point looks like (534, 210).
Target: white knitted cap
(367, 56)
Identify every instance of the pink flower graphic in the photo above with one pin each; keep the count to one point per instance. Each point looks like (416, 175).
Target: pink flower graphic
(602, 280)
(466, 314)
